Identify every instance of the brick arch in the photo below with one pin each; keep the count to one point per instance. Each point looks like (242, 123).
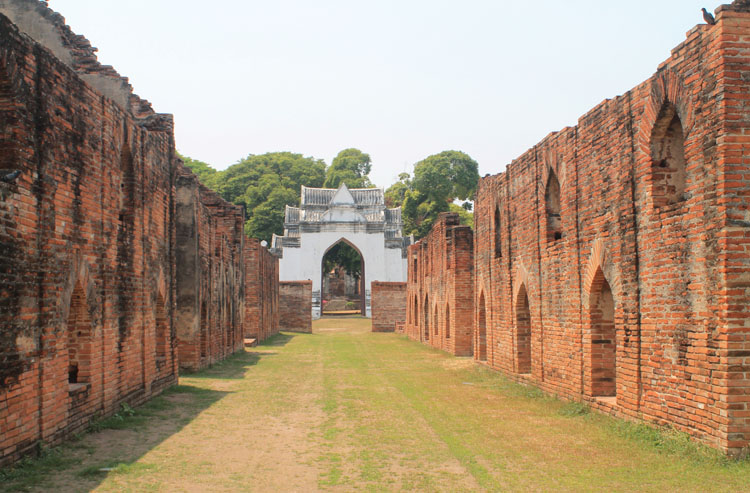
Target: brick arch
(553, 162)
(521, 278)
(599, 262)
(78, 274)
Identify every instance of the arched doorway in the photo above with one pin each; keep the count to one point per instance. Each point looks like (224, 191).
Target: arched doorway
(481, 340)
(523, 332)
(343, 287)
(603, 352)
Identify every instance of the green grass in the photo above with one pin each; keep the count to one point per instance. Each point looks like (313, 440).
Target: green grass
(347, 410)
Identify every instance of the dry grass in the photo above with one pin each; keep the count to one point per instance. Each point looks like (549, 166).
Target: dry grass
(343, 409)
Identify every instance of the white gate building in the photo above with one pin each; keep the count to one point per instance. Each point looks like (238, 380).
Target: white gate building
(326, 217)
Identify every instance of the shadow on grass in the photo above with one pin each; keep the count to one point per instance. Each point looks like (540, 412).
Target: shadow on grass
(280, 339)
(103, 450)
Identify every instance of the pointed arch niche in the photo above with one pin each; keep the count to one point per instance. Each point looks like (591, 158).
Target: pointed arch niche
(668, 163)
(523, 332)
(79, 340)
(426, 318)
(552, 208)
(602, 339)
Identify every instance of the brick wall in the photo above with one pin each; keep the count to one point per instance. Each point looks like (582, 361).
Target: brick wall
(295, 306)
(86, 248)
(388, 305)
(612, 257)
(440, 287)
(211, 273)
(261, 291)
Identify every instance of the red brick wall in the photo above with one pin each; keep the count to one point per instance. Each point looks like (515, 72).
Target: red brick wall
(210, 276)
(86, 244)
(675, 258)
(295, 306)
(440, 287)
(261, 291)
(388, 305)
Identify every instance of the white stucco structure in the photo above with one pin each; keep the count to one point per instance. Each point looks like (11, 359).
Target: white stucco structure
(327, 216)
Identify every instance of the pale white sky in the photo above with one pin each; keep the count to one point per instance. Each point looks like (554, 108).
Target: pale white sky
(399, 80)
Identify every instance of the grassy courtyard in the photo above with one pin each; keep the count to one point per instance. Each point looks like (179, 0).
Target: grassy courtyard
(344, 409)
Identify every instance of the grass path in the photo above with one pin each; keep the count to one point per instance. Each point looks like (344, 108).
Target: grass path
(344, 409)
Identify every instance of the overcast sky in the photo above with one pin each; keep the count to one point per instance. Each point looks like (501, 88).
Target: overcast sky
(400, 80)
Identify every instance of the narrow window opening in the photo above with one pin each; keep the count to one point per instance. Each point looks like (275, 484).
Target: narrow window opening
(669, 175)
(79, 338)
(481, 340)
(603, 339)
(447, 321)
(523, 332)
(426, 318)
(552, 204)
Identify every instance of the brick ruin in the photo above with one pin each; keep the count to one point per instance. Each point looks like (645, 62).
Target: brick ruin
(439, 296)
(211, 278)
(261, 291)
(295, 306)
(95, 272)
(388, 302)
(612, 259)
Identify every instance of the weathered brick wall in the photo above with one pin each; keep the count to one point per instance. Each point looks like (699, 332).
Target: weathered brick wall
(440, 287)
(210, 274)
(86, 249)
(295, 306)
(612, 258)
(388, 305)
(261, 291)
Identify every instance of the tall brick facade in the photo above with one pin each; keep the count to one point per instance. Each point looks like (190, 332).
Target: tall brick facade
(440, 310)
(388, 302)
(86, 247)
(613, 258)
(261, 291)
(111, 252)
(295, 306)
(210, 274)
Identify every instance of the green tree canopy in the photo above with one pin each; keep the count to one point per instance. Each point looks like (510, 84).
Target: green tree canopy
(344, 255)
(205, 173)
(438, 181)
(350, 166)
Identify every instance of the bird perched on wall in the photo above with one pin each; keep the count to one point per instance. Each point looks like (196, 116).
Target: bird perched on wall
(708, 17)
(10, 177)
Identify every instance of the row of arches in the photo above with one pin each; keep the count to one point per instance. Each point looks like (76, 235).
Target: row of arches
(79, 339)
(431, 317)
(668, 178)
(600, 337)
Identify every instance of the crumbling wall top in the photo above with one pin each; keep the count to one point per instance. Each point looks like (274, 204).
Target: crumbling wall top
(45, 26)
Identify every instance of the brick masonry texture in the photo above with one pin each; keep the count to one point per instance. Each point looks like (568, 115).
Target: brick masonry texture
(388, 305)
(440, 308)
(295, 306)
(261, 291)
(111, 252)
(613, 258)
(211, 274)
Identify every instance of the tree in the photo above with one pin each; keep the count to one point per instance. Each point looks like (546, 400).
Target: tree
(264, 184)
(205, 173)
(439, 180)
(350, 166)
(344, 255)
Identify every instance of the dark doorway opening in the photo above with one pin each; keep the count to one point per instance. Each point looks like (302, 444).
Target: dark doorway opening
(343, 280)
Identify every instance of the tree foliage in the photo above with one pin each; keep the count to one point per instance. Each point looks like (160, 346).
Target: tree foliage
(350, 166)
(344, 255)
(438, 182)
